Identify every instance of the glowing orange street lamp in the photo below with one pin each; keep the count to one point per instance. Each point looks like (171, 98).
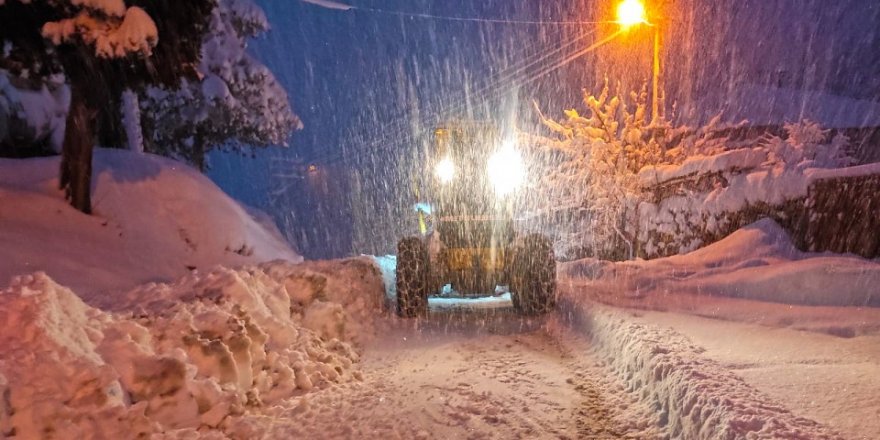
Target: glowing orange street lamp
(632, 13)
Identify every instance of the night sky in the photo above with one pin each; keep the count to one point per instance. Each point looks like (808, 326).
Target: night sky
(367, 84)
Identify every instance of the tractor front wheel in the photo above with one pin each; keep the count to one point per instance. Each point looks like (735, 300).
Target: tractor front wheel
(533, 277)
(412, 277)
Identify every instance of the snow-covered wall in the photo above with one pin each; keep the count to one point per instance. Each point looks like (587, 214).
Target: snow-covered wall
(804, 185)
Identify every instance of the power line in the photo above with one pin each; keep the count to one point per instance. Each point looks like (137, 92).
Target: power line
(481, 20)
(332, 4)
(508, 78)
(486, 91)
(489, 90)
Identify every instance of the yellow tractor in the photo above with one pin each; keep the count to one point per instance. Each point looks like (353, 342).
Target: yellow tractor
(467, 242)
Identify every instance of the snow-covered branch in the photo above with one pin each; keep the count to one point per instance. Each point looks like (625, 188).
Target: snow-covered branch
(112, 29)
(236, 102)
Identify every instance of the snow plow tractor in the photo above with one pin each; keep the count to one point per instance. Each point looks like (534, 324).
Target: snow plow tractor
(467, 246)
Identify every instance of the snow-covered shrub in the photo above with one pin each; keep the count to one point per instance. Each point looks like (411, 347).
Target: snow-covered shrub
(620, 188)
(594, 161)
(236, 102)
(807, 145)
(685, 142)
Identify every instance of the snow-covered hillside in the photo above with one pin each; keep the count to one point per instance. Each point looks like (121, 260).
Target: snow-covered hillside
(155, 220)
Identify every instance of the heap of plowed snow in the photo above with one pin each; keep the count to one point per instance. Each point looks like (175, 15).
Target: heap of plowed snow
(177, 358)
(756, 262)
(155, 220)
(695, 396)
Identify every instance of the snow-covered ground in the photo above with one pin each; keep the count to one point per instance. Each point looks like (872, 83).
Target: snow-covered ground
(746, 335)
(474, 376)
(696, 396)
(283, 350)
(305, 350)
(826, 378)
(176, 359)
(106, 334)
(155, 220)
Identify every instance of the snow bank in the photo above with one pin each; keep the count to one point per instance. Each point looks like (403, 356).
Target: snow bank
(832, 379)
(696, 397)
(742, 159)
(156, 219)
(772, 186)
(756, 262)
(190, 355)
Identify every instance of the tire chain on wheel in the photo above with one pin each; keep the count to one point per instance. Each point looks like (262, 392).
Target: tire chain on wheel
(412, 278)
(533, 280)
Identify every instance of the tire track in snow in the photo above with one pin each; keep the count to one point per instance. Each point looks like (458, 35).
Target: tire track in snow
(490, 377)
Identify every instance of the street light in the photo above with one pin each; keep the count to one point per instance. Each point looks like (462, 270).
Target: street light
(632, 13)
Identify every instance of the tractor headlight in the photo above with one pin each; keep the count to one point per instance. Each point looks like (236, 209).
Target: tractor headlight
(506, 170)
(445, 170)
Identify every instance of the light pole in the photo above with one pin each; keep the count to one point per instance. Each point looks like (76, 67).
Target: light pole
(632, 13)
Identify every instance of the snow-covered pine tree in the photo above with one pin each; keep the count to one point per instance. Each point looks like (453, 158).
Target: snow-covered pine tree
(236, 102)
(101, 47)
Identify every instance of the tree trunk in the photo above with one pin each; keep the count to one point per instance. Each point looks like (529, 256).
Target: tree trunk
(198, 151)
(76, 154)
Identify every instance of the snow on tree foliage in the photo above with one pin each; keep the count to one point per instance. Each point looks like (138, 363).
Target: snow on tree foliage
(115, 31)
(807, 145)
(236, 102)
(592, 170)
(32, 116)
(101, 47)
(33, 110)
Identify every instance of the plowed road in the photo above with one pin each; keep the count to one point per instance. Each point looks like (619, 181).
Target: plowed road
(474, 375)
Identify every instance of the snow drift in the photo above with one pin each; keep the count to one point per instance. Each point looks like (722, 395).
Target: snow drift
(155, 220)
(696, 397)
(756, 262)
(176, 358)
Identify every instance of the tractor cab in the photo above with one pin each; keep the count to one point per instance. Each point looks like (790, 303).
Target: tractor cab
(469, 242)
